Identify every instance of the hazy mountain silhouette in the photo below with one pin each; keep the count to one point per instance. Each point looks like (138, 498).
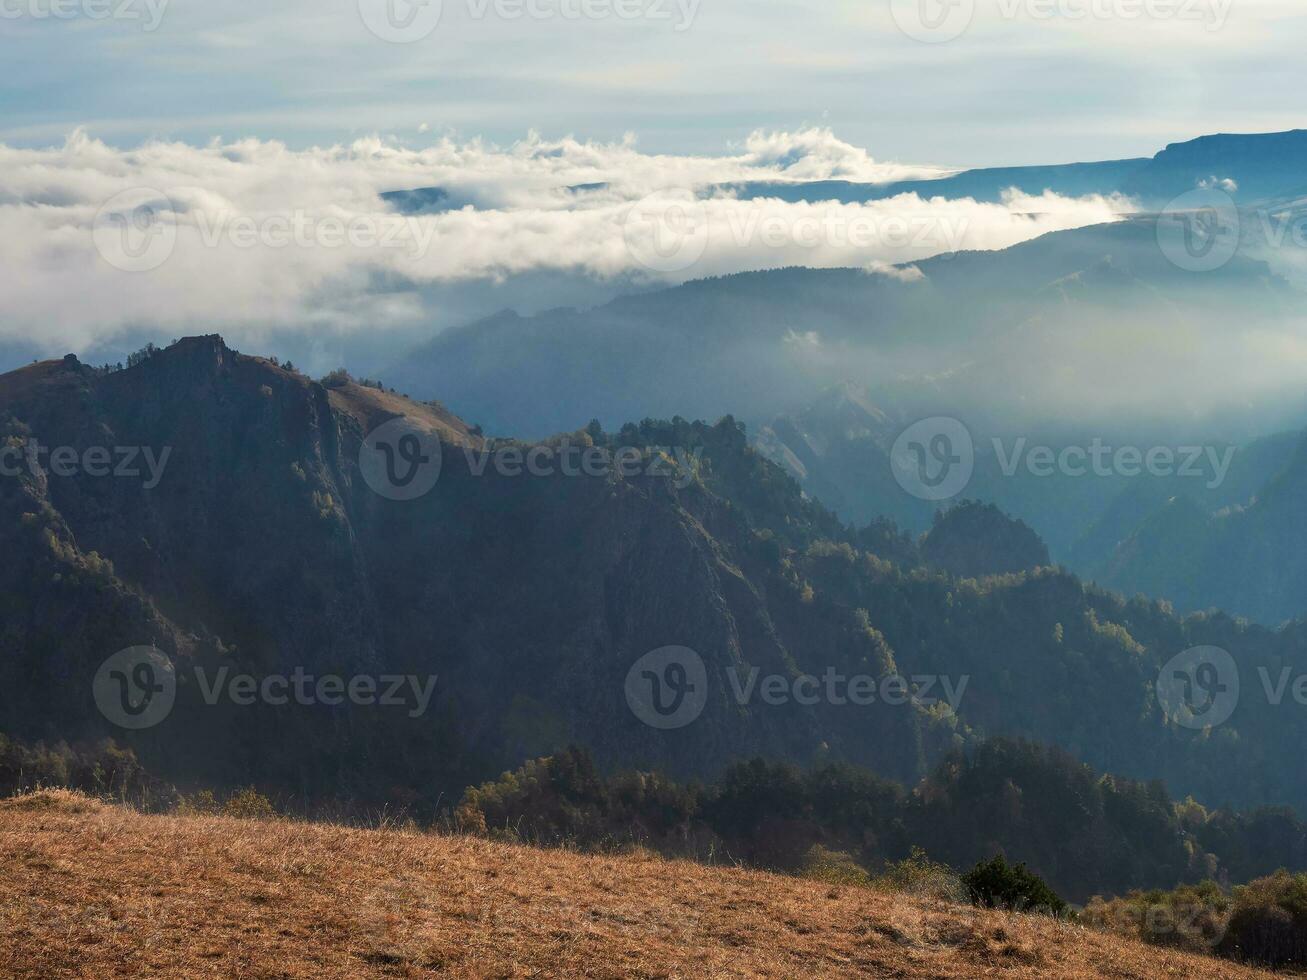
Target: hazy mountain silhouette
(262, 549)
(1261, 165)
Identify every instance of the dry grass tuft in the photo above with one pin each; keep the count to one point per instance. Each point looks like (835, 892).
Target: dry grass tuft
(51, 801)
(99, 891)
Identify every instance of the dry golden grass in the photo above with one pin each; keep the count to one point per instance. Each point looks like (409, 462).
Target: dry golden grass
(372, 407)
(98, 891)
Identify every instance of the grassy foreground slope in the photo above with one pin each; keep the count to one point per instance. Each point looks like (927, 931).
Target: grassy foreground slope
(98, 891)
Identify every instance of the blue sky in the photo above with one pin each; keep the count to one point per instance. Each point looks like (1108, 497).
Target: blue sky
(153, 161)
(1028, 81)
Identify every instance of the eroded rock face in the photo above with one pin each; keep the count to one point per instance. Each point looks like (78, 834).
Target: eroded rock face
(259, 547)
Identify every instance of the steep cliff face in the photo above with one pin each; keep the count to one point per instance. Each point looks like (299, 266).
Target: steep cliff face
(250, 536)
(251, 539)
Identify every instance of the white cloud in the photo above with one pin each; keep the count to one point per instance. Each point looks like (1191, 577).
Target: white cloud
(270, 238)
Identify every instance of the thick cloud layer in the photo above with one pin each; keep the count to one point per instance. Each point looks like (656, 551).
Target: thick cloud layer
(252, 237)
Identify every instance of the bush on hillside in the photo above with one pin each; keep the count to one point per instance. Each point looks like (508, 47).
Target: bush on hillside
(833, 867)
(1268, 924)
(996, 884)
(921, 877)
(1192, 918)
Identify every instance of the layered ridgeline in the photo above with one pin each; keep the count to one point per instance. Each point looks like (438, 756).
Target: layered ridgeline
(1250, 167)
(1042, 312)
(1095, 326)
(1079, 339)
(1219, 530)
(518, 605)
(1250, 557)
(1176, 326)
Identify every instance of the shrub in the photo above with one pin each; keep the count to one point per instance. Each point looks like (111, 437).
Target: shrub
(103, 769)
(563, 799)
(1192, 917)
(997, 884)
(201, 803)
(1268, 923)
(52, 801)
(918, 875)
(249, 804)
(833, 867)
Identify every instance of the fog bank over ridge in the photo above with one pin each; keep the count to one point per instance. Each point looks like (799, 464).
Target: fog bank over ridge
(266, 241)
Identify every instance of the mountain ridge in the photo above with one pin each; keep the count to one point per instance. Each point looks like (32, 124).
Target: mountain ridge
(263, 549)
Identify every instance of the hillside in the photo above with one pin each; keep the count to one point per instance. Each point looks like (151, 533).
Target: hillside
(764, 343)
(1106, 528)
(263, 549)
(523, 602)
(93, 890)
(1251, 561)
